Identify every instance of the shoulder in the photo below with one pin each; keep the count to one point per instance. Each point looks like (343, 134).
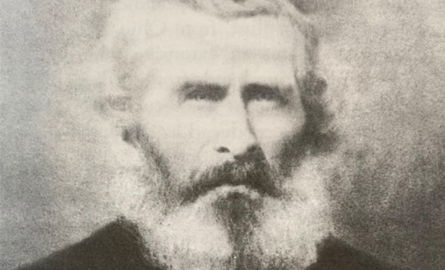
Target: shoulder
(118, 246)
(335, 254)
(114, 247)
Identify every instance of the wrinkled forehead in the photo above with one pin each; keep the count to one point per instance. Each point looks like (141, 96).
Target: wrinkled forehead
(178, 36)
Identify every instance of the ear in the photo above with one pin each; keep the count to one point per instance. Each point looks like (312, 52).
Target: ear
(120, 110)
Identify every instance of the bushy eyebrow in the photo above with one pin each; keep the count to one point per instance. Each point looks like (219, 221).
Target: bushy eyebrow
(284, 90)
(193, 85)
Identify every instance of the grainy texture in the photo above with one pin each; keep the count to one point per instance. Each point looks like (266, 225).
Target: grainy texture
(384, 60)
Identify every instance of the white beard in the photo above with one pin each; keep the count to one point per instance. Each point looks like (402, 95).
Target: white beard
(285, 236)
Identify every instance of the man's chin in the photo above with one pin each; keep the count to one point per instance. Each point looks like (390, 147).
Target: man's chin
(236, 209)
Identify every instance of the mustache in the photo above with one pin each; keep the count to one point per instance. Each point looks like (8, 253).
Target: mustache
(255, 174)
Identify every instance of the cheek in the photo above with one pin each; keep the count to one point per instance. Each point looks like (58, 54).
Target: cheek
(176, 134)
(274, 130)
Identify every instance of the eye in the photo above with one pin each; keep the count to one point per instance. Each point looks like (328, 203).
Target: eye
(258, 92)
(203, 92)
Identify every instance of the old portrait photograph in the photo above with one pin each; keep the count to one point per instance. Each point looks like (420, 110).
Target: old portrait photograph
(222, 135)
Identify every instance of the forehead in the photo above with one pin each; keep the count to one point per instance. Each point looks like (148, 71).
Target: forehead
(191, 43)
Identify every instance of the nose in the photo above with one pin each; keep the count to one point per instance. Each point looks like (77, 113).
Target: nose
(237, 138)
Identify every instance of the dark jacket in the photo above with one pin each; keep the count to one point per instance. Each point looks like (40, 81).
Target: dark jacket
(118, 246)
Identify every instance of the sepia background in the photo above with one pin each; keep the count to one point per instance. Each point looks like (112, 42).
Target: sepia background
(385, 65)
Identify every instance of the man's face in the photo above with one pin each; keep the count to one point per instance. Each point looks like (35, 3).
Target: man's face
(220, 108)
(221, 92)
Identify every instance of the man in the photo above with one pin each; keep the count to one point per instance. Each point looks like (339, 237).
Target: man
(223, 101)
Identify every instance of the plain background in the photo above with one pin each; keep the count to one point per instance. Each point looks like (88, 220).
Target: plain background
(385, 60)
